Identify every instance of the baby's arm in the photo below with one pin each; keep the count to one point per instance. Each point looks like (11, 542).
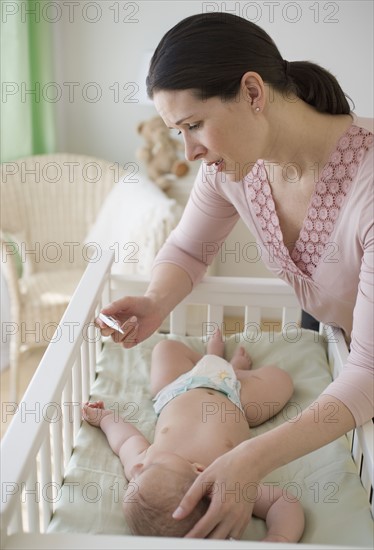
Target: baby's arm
(124, 439)
(283, 514)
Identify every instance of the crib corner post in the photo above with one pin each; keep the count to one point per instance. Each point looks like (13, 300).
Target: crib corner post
(3, 536)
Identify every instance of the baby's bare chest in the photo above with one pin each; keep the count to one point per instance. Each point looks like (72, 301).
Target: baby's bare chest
(201, 425)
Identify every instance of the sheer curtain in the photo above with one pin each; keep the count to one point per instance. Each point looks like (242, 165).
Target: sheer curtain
(28, 91)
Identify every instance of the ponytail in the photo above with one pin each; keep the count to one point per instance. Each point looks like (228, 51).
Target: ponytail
(317, 87)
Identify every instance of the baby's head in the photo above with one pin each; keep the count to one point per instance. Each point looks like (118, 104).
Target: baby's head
(155, 492)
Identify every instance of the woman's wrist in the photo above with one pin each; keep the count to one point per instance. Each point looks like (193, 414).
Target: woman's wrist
(253, 454)
(168, 286)
(261, 455)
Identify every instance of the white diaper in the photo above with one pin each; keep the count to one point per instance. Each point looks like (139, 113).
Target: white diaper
(210, 372)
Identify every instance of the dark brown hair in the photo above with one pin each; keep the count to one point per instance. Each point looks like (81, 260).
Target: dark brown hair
(209, 53)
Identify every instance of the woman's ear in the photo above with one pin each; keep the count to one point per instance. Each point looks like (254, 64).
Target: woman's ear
(252, 88)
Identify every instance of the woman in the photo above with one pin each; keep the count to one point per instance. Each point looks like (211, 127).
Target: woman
(281, 150)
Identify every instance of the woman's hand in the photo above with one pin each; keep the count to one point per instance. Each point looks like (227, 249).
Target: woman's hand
(232, 486)
(141, 316)
(138, 316)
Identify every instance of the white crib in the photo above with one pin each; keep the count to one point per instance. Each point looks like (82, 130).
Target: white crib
(39, 442)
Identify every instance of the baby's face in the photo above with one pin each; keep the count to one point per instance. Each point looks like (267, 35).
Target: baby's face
(167, 460)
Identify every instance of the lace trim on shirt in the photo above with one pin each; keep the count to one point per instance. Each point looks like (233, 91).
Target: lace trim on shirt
(324, 207)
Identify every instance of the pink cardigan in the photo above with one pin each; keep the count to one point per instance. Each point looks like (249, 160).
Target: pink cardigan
(331, 264)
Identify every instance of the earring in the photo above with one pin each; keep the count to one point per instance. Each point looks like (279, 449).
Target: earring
(257, 109)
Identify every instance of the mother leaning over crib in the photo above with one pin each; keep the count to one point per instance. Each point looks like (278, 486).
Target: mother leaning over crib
(280, 149)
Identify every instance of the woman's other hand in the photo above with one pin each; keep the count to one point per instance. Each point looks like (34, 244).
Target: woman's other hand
(232, 487)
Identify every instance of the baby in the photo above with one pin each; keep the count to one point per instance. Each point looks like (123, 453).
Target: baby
(205, 407)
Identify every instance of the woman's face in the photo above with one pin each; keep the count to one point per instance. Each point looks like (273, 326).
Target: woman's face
(224, 134)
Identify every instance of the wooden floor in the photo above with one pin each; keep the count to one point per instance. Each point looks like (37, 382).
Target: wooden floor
(30, 360)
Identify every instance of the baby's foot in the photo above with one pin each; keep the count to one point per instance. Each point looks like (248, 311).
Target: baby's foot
(215, 344)
(94, 412)
(241, 359)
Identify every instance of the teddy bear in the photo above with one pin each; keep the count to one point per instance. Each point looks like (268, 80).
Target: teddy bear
(161, 153)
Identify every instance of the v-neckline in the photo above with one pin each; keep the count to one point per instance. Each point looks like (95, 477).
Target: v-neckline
(323, 208)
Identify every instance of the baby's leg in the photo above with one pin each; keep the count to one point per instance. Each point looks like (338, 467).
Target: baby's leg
(241, 360)
(170, 359)
(216, 345)
(264, 392)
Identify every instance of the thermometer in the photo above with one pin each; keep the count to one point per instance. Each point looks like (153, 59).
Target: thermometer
(111, 322)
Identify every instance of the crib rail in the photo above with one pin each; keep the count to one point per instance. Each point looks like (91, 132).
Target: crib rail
(251, 296)
(40, 439)
(219, 292)
(35, 453)
(362, 438)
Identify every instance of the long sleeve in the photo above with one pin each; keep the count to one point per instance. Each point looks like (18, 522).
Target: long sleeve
(207, 220)
(355, 384)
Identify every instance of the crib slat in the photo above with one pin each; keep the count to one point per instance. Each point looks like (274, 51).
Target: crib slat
(356, 451)
(98, 342)
(58, 451)
(106, 297)
(77, 395)
(86, 366)
(16, 522)
(32, 496)
(290, 315)
(85, 358)
(46, 481)
(94, 338)
(365, 477)
(67, 420)
(365, 439)
(252, 316)
(178, 320)
(215, 315)
(85, 383)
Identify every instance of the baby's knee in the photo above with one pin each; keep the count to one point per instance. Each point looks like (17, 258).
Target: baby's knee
(285, 380)
(164, 346)
(280, 377)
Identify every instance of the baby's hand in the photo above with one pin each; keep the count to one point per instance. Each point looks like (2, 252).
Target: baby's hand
(94, 412)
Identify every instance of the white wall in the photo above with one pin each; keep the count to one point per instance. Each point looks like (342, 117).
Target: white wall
(103, 42)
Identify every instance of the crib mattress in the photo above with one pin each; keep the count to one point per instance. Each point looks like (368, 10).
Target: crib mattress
(325, 481)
